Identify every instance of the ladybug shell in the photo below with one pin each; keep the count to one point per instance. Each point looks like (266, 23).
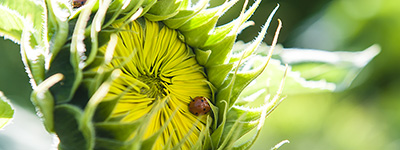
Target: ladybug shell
(78, 3)
(199, 106)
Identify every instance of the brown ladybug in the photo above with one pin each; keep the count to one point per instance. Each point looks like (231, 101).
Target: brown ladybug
(78, 3)
(199, 105)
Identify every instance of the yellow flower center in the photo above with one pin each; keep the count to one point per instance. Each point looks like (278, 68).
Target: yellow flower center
(158, 69)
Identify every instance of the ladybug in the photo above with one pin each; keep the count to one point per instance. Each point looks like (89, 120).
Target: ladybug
(78, 3)
(199, 106)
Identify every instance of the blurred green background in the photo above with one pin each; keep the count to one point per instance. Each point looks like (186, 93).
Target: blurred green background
(366, 116)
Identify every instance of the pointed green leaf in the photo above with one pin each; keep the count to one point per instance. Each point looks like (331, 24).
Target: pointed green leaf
(97, 98)
(228, 137)
(204, 137)
(67, 126)
(233, 27)
(263, 111)
(110, 144)
(57, 25)
(197, 36)
(185, 15)
(220, 51)
(245, 145)
(224, 37)
(249, 49)
(220, 33)
(339, 67)
(11, 24)
(217, 133)
(96, 27)
(197, 29)
(218, 73)
(159, 18)
(199, 20)
(104, 109)
(202, 56)
(6, 111)
(268, 83)
(13, 14)
(33, 59)
(236, 83)
(246, 117)
(163, 10)
(117, 7)
(134, 7)
(44, 102)
(62, 91)
(117, 130)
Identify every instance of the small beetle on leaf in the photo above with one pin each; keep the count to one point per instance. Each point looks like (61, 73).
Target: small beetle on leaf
(199, 106)
(78, 3)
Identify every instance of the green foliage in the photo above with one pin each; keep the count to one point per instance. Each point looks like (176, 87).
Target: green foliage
(69, 95)
(15, 20)
(338, 67)
(67, 125)
(21, 15)
(6, 111)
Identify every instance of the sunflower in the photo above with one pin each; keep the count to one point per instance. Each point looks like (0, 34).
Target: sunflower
(157, 67)
(144, 74)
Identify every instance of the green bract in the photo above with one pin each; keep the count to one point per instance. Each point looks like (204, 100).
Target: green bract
(79, 61)
(6, 111)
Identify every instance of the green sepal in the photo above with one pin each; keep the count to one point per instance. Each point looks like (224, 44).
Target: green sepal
(231, 28)
(104, 110)
(220, 33)
(246, 145)
(205, 136)
(199, 20)
(120, 10)
(12, 24)
(236, 82)
(97, 98)
(13, 17)
(248, 118)
(163, 10)
(96, 26)
(6, 111)
(120, 131)
(57, 26)
(185, 15)
(33, 59)
(220, 51)
(234, 85)
(198, 28)
(80, 97)
(110, 144)
(242, 80)
(217, 133)
(62, 91)
(218, 73)
(44, 101)
(223, 39)
(133, 8)
(249, 49)
(339, 68)
(92, 50)
(232, 135)
(202, 56)
(67, 125)
(195, 34)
